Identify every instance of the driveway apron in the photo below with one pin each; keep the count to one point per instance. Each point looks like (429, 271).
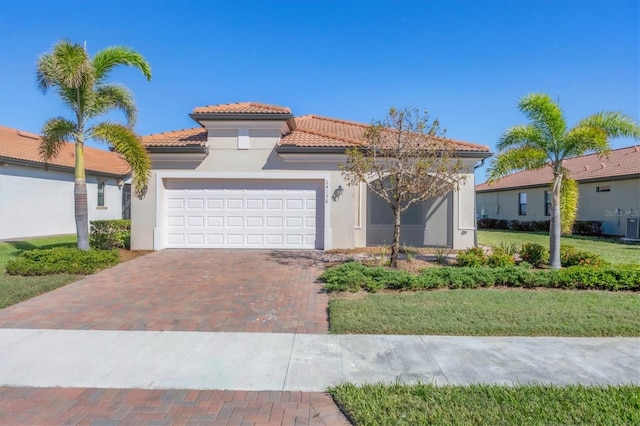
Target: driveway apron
(188, 290)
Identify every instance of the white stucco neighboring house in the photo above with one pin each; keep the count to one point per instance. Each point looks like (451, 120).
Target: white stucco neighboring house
(609, 188)
(36, 199)
(252, 175)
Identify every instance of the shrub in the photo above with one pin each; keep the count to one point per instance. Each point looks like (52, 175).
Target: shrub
(473, 256)
(506, 247)
(587, 227)
(570, 256)
(110, 234)
(535, 254)
(499, 259)
(61, 260)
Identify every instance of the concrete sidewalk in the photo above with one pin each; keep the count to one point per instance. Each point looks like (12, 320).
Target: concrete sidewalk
(299, 362)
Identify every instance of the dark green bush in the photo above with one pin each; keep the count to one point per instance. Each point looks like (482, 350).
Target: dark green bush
(535, 254)
(473, 256)
(355, 276)
(61, 260)
(570, 256)
(110, 234)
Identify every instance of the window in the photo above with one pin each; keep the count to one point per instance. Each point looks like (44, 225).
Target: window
(548, 196)
(522, 203)
(603, 188)
(101, 187)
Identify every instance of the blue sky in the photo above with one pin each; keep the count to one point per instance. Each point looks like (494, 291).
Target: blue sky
(467, 62)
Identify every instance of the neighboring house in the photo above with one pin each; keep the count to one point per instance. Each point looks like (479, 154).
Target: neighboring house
(255, 176)
(36, 199)
(609, 192)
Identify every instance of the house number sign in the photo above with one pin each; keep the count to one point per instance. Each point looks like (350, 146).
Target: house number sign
(326, 191)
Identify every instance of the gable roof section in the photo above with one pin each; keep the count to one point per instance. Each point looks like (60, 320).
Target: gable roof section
(308, 131)
(620, 162)
(24, 147)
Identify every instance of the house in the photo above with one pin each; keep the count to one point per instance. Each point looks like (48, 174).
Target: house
(254, 176)
(609, 192)
(36, 199)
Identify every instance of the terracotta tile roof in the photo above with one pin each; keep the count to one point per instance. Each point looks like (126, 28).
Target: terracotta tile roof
(243, 107)
(185, 137)
(310, 130)
(19, 145)
(317, 131)
(619, 162)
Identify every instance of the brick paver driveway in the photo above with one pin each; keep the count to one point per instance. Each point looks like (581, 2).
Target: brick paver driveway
(180, 290)
(189, 290)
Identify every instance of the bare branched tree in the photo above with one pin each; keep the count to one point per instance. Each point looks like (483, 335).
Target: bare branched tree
(404, 159)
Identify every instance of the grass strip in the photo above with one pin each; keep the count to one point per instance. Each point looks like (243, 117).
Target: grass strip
(379, 404)
(489, 312)
(612, 250)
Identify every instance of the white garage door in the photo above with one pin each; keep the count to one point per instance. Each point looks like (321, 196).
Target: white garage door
(241, 214)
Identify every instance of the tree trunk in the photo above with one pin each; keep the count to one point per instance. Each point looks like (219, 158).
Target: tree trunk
(80, 199)
(82, 214)
(554, 226)
(395, 245)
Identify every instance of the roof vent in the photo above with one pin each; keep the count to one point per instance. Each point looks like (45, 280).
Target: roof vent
(636, 148)
(601, 165)
(586, 167)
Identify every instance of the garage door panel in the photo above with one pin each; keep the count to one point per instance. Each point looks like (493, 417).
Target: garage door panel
(268, 217)
(214, 204)
(235, 204)
(197, 239)
(255, 222)
(216, 240)
(195, 203)
(215, 221)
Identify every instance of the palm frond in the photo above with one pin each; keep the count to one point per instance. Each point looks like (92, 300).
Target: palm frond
(615, 124)
(546, 115)
(67, 65)
(127, 143)
(114, 96)
(520, 136)
(55, 133)
(583, 139)
(516, 159)
(569, 196)
(105, 60)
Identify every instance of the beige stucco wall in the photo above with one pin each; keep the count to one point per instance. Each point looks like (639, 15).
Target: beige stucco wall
(347, 215)
(612, 207)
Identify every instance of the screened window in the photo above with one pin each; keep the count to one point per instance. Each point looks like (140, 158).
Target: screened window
(548, 196)
(603, 188)
(522, 203)
(101, 188)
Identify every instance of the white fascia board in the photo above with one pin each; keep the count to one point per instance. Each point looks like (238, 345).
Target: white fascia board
(177, 157)
(159, 231)
(250, 125)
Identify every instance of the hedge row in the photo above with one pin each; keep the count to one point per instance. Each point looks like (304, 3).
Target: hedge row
(61, 260)
(354, 276)
(580, 227)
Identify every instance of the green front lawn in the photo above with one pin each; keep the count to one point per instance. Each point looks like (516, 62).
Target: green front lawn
(15, 289)
(611, 250)
(378, 404)
(488, 312)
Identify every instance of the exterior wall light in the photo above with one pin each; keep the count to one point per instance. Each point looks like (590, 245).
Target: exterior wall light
(337, 193)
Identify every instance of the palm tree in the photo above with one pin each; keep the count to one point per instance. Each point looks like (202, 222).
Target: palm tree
(546, 141)
(80, 81)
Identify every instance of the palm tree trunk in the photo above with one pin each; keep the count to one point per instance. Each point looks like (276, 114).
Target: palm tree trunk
(80, 199)
(554, 227)
(395, 245)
